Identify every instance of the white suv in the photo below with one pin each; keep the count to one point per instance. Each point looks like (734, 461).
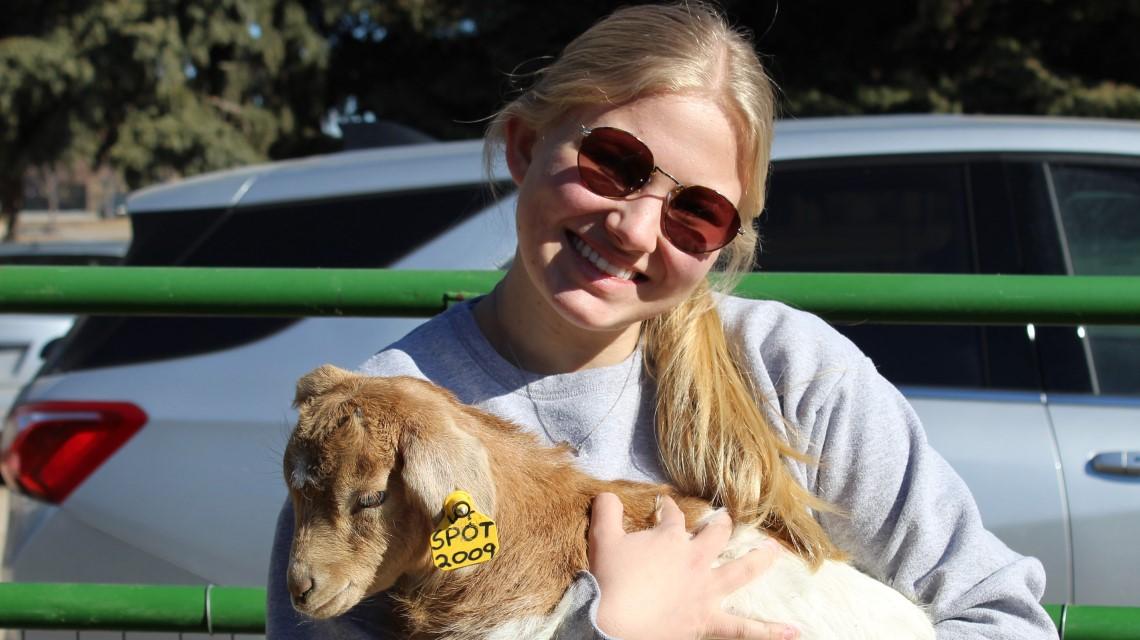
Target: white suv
(193, 413)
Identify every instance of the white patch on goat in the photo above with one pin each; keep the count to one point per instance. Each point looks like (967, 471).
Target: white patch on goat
(837, 601)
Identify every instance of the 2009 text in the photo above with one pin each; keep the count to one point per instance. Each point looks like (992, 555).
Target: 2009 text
(444, 561)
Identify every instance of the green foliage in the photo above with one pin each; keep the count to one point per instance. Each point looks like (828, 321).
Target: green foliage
(165, 87)
(1045, 57)
(157, 87)
(446, 66)
(414, 62)
(37, 78)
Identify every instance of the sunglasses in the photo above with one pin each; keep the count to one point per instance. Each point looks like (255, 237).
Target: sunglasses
(615, 164)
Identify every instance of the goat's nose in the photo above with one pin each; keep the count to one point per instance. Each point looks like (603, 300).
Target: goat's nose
(300, 588)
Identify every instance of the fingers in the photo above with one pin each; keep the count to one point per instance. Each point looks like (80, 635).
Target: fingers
(724, 626)
(606, 518)
(736, 573)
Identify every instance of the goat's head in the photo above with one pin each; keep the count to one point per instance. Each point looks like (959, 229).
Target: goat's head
(368, 467)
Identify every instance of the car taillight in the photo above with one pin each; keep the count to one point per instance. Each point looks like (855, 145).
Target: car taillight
(59, 444)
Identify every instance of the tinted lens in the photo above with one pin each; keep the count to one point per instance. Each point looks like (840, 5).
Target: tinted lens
(699, 220)
(613, 163)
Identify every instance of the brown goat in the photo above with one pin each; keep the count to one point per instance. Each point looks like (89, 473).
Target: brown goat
(372, 460)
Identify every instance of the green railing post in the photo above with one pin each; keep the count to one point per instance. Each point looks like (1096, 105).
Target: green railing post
(1055, 611)
(1087, 622)
(378, 292)
(132, 607)
(104, 607)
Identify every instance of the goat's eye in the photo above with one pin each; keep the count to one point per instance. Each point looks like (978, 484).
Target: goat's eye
(371, 500)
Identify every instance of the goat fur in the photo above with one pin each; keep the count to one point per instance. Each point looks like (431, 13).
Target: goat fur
(357, 435)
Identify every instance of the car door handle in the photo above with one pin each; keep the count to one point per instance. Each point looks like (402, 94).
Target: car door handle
(1118, 463)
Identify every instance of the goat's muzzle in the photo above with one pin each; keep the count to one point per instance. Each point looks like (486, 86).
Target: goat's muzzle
(301, 584)
(317, 593)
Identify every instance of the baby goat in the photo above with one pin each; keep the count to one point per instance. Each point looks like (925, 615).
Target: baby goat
(372, 461)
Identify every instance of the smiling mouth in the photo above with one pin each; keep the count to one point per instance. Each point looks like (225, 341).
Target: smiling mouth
(598, 261)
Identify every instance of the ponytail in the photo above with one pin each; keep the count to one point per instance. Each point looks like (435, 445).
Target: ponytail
(713, 438)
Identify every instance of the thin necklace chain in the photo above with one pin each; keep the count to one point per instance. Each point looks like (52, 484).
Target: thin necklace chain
(575, 447)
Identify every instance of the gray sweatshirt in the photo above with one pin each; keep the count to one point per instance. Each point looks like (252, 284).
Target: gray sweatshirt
(910, 520)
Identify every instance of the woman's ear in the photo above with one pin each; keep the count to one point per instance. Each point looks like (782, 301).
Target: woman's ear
(519, 148)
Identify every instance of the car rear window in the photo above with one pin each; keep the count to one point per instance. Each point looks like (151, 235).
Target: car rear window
(887, 218)
(1099, 210)
(902, 215)
(362, 232)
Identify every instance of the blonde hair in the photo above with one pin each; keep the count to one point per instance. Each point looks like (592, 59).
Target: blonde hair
(714, 439)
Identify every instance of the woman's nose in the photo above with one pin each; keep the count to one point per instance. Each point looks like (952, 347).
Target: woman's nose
(636, 223)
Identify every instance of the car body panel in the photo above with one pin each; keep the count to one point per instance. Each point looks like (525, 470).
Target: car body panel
(22, 341)
(56, 557)
(1105, 507)
(338, 175)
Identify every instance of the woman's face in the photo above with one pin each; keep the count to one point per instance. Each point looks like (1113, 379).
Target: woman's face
(565, 231)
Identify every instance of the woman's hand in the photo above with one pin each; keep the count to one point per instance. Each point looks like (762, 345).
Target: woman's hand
(660, 584)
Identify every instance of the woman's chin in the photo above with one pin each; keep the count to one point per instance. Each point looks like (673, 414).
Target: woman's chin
(586, 312)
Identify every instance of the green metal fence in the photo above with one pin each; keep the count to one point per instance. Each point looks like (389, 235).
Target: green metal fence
(341, 292)
(379, 292)
(91, 607)
(132, 608)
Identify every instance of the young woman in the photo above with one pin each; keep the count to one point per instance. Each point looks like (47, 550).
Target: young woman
(641, 157)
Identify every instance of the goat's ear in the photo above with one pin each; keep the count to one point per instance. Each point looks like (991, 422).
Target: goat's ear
(319, 381)
(442, 458)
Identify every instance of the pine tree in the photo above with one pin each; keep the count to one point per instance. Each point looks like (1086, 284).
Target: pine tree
(157, 87)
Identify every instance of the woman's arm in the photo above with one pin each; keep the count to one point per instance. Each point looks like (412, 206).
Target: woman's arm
(905, 517)
(908, 519)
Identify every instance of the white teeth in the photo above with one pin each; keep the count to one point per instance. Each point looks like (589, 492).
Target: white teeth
(600, 262)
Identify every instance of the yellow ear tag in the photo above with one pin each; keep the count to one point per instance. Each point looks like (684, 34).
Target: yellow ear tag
(464, 536)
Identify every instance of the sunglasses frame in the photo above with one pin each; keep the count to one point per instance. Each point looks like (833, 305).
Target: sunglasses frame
(666, 205)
